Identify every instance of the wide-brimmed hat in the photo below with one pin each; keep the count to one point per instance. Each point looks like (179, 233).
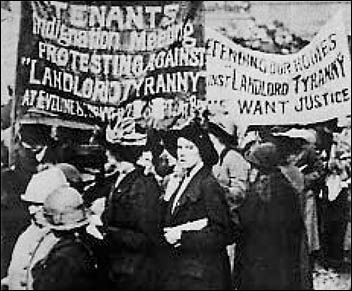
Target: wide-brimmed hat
(287, 145)
(124, 133)
(87, 156)
(169, 139)
(71, 172)
(34, 135)
(200, 138)
(42, 184)
(222, 133)
(127, 153)
(308, 135)
(123, 140)
(154, 143)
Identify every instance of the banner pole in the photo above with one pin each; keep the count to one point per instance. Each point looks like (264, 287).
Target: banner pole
(14, 97)
(13, 131)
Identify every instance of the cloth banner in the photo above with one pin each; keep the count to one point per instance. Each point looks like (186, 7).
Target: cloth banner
(255, 88)
(101, 61)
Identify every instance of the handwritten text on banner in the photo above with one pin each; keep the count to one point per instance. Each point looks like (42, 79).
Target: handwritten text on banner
(257, 88)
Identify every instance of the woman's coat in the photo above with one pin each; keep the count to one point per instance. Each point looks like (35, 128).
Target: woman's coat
(270, 252)
(201, 262)
(133, 232)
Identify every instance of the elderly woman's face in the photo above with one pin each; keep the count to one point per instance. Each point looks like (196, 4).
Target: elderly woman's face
(187, 153)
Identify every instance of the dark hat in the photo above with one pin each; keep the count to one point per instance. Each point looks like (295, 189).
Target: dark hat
(154, 143)
(288, 145)
(169, 138)
(128, 153)
(200, 138)
(87, 156)
(74, 135)
(221, 133)
(35, 134)
(264, 156)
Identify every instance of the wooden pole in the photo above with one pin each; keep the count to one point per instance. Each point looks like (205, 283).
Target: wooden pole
(12, 144)
(17, 10)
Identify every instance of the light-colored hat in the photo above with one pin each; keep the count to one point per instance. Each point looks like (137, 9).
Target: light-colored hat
(250, 137)
(123, 133)
(223, 122)
(308, 135)
(42, 184)
(221, 132)
(71, 172)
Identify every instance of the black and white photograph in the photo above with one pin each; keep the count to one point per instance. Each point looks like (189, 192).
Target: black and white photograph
(175, 145)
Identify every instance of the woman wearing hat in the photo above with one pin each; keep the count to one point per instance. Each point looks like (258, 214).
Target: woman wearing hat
(270, 250)
(311, 166)
(231, 172)
(131, 218)
(35, 242)
(196, 219)
(72, 263)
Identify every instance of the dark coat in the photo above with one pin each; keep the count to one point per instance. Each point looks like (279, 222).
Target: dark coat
(314, 172)
(269, 254)
(133, 232)
(201, 262)
(72, 264)
(15, 217)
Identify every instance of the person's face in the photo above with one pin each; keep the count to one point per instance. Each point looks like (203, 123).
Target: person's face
(187, 153)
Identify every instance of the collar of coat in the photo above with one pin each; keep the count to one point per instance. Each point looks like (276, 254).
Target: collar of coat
(127, 181)
(193, 190)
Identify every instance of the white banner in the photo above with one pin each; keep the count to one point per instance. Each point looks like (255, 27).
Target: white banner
(255, 88)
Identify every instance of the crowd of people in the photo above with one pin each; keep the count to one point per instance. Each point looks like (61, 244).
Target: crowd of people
(188, 209)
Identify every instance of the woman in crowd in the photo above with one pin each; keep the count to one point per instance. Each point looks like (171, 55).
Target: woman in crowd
(196, 222)
(290, 149)
(73, 262)
(312, 167)
(231, 172)
(36, 241)
(273, 227)
(131, 219)
(232, 169)
(338, 213)
(304, 157)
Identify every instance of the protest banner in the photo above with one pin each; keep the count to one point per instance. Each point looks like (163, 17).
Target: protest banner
(97, 62)
(256, 88)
